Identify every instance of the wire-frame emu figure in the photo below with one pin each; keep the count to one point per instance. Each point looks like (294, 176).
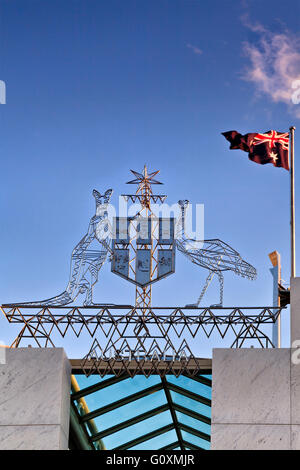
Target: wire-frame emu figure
(215, 255)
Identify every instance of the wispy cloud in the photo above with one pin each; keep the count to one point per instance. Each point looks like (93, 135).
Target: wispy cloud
(252, 25)
(195, 49)
(274, 63)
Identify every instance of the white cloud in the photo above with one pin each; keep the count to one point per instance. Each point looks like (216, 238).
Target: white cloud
(195, 49)
(274, 64)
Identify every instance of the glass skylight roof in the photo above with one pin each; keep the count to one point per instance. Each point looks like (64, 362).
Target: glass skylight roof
(143, 413)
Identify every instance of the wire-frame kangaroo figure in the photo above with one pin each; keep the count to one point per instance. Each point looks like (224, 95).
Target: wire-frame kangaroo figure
(86, 262)
(215, 255)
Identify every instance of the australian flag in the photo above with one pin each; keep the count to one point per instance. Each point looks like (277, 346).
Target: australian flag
(270, 147)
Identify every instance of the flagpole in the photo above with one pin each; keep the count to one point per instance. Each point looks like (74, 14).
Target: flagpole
(293, 251)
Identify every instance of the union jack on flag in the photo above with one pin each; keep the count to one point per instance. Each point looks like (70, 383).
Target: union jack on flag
(271, 138)
(270, 147)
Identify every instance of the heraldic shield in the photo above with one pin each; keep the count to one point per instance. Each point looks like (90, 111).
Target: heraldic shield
(143, 248)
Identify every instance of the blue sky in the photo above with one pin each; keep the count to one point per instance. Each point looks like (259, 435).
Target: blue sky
(96, 88)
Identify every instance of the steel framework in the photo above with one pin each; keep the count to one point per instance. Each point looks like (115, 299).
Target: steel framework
(144, 196)
(178, 413)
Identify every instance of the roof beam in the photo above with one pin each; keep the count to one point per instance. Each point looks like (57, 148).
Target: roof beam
(200, 378)
(192, 413)
(188, 394)
(170, 446)
(145, 437)
(173, 412)
(192, 446)
(98, 386)
(118, 403)
(130, 422)
(195, 432)
(78, 433)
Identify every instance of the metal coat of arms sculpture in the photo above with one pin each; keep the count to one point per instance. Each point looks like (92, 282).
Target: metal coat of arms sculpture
(141, 249)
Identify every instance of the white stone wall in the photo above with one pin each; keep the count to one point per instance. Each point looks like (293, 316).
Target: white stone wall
(295, 309)
(34, 399)
(255, 399)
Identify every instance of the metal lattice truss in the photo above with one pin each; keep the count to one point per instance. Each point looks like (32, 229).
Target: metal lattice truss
(124, 335)
(146, 357)
(214, 255)
(139, 198)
